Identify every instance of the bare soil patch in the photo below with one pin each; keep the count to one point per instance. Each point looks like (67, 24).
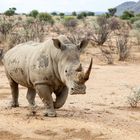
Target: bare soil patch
(5, 135)
(102, 114)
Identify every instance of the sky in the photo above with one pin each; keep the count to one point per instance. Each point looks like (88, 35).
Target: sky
(25, 6)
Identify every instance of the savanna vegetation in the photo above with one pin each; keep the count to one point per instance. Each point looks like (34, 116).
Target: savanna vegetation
(110, 109)
(111, 35)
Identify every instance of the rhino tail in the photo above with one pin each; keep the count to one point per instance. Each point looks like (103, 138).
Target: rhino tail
(1, 55)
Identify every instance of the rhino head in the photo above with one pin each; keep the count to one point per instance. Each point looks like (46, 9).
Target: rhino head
(70, 69)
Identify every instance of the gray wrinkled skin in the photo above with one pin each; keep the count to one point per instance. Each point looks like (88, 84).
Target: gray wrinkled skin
(46, 68)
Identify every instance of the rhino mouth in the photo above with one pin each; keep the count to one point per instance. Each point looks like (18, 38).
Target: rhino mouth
(77, 89)
(77, 93)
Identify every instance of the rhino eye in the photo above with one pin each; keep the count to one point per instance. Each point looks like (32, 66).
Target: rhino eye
(66, 71)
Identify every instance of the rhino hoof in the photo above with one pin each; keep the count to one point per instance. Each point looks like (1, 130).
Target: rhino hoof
(14, 104)
(50, 114)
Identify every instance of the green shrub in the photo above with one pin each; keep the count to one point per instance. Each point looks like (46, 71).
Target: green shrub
(138, 15)
(136, 34)
(10, 12)
(82, 15)
(54, 13)
(112, 11)
(45, 17)
(74, 13)
(134, 19)
(136, 24)
(67, 18)
(70, 21)
(33, 13)
(90, 14)
(79, 16)
(29, 20)
(62, 14)
(127, 15)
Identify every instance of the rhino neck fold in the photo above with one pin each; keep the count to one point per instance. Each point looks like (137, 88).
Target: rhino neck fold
(55, 71)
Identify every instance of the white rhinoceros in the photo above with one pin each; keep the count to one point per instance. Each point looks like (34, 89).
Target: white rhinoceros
(49, 67)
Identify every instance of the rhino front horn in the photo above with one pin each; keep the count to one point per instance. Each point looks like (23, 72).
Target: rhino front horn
(87, 73)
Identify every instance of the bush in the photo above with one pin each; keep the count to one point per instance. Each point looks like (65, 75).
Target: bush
(136, 27)
(82, 15)
(136, 34)
(10, 12)
(79, 16)
(28, 21)
(5, 27)
(134, 99)
(33, 29)
(45, 17)
(26, 30)
(61, 15)
(112, 11)
(134, 19)
(74, 13)
(33, 13)
(127, 15)
(136, 24)
(90, 14)
(107, 53)
(138, 37)
(101, 30)
(54, 13)
(70, 22)
(114, 23)
(138, 15)
(122, 47)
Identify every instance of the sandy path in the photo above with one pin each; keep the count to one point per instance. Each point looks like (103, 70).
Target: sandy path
(102, 114)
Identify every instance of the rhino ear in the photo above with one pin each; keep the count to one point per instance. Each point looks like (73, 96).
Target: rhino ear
(58, 44)
(83, 44)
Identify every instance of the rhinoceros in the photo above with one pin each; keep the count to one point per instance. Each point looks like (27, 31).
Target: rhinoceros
(45, 68)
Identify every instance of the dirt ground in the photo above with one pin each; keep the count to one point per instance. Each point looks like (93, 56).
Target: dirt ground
(102, 114)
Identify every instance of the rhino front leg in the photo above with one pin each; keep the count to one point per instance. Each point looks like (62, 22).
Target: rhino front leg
(31, 93)
(61, 98)
(45, 95)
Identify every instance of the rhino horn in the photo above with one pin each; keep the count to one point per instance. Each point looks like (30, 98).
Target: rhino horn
(79, 68)
(87, 73)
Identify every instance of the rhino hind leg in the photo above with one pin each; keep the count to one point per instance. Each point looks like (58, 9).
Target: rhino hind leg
(31, 93)
(14, 92)
(46, 97)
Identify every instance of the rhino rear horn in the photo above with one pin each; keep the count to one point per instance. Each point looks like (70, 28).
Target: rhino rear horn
(79, 68)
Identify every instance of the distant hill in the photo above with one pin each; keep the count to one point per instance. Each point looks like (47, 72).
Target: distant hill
(136, 8)
(128, 6)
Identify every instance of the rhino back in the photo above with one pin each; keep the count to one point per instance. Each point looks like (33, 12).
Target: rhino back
(17, 61)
